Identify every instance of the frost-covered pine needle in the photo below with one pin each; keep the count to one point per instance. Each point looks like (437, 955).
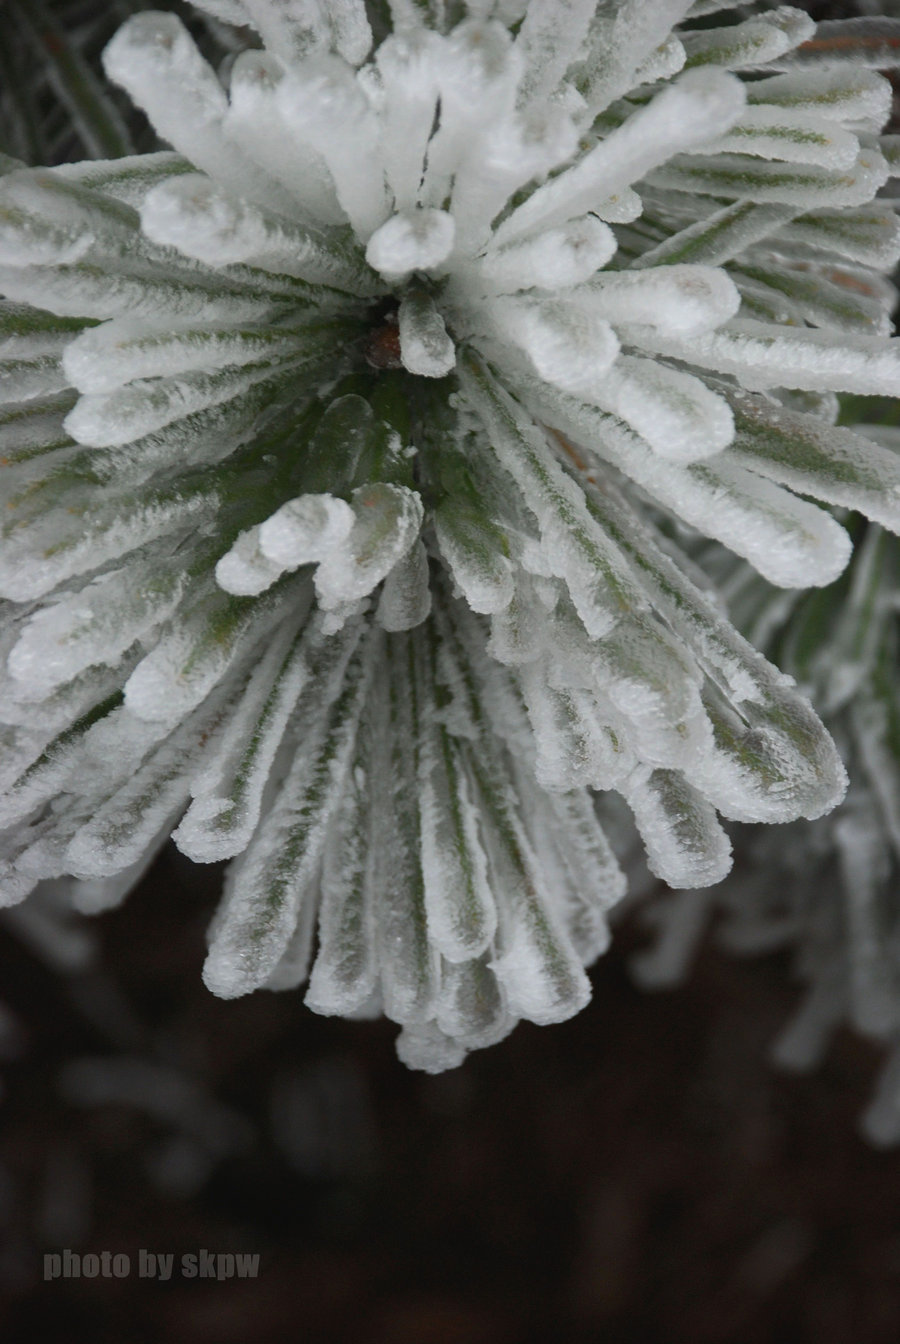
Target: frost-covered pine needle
(345, 446)
(829, 892)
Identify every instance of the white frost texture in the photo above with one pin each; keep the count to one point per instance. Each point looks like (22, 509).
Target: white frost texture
(829, 893)
(349, 443)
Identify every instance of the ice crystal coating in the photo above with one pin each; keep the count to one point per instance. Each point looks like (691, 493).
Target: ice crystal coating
(828, 892)
(345, 446)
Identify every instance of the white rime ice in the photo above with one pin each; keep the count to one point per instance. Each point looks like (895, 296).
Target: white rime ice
(828, 893)
(356, 446)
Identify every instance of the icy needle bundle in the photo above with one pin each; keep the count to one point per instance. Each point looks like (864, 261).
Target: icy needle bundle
(829, 892)
(344, 449)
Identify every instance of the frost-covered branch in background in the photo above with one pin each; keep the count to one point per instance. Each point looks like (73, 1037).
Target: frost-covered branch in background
(830, 891)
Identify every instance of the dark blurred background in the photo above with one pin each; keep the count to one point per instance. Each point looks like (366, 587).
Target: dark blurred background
(641, 1173)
